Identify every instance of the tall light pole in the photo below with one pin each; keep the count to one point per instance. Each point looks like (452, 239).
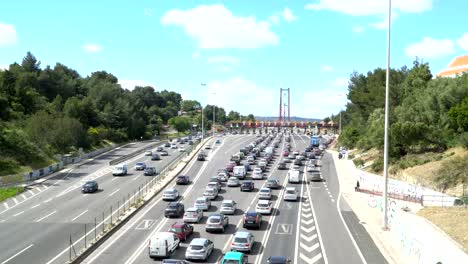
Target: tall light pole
(213, 117)
(387, 84)
(202, 119)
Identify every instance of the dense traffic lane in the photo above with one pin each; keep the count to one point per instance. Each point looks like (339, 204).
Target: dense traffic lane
(48, 220)
(124, 246)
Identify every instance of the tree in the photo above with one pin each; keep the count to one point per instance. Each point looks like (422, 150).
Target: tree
(251, 117)
(180, 123)
(190, 106)
(30, 63)
(233, 116)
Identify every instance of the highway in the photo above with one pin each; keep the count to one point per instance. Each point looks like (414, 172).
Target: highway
(319, 228)
(37, 227)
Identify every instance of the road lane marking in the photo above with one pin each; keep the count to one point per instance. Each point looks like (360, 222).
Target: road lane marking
(115, 178)
(35, 206)
(80, 215)
(114, 192)
(18, 213)
(6, 205)
(24, 196)
(44, 217)
(299, 211)
(136, 178)
(16, 201)
(31, 192)
(15, 255)
(48, 200)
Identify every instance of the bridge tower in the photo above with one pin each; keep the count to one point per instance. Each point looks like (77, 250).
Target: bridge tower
(285, 100)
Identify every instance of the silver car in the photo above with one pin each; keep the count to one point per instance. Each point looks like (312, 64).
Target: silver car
(193, 215)
(264, 193)
(170, 194)
(216, 222)
(233, 182)
(242, 241)
(211, 193)
(228, 207)
(199, 248)
(202, 203)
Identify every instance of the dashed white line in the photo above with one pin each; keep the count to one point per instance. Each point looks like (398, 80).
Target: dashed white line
(18, 213)
(44, 217)
(114, 192)
(24, 196)
(48, 200)
(80, 215)
(31, 192)
(35, 206)
(6, 205)
(15, 255)
(16, 201)
(115, 178)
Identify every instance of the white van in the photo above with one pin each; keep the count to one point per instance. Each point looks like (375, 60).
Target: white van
(293, 176)
(163, 244)
(173, 145)
(269, 150)
(239, 172)
(120, 170)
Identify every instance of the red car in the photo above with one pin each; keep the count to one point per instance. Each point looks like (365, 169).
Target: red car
(286, 153)
(182, 179)
(230, 167)
(182, 230)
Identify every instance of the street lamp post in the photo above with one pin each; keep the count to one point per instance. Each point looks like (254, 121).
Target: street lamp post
(387, 84)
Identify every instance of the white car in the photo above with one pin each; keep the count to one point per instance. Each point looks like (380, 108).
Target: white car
(264, 207)
(173, 145)
(202, 203)
(193, 215)
(181, 149)
(211, 193)
(257, 174)
(233, 182)
(264, 193)
(170, 194)
(222, 176)
(290, 194)
(228, 207)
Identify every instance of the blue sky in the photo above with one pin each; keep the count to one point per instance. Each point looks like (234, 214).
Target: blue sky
(243, 50)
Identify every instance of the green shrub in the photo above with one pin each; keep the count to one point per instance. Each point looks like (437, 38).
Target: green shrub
(351, 156)
(358, 162)
(377, 165)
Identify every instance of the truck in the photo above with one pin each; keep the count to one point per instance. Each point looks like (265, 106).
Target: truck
(293, 176)
(315, 141)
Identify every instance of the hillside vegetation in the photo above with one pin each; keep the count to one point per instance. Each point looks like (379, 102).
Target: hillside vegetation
(54, 110)
(427, 116)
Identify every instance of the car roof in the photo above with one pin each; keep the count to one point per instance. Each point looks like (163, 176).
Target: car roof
(227, 201)
(202, 198)
(192, 209)
(141, 162)
(265, 189)
(171, 190)
(216, 215)
(198, 241)
(233, 255)
(290, 188)
(248, 181)
(178, 224)
(251, 213)
(242, 234)
(174, 203)
(263, 202)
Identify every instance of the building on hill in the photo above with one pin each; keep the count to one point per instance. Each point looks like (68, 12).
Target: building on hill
(458, 66)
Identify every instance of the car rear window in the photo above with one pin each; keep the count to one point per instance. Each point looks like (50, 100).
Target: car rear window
(262, 205)
(240, 240)
(196, 247)
(290, 192)
(200, 201)
(231, 261)
(214, 219)
(176, 230)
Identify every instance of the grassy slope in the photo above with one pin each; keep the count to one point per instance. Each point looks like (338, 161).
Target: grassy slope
(6, 193)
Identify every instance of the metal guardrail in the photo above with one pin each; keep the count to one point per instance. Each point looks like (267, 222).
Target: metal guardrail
(408, 198)
(135, 153)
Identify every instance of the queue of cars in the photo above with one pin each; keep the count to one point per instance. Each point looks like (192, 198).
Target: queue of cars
(243, 240)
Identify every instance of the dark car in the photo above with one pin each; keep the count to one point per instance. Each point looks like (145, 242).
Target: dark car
(278, 260)
(281, 165)
(182, 230)
(252, 219)
(90, 187)
(174, 209)
(247, 166)
(155, 156)
(159, 149)
(298, 162)
(273, 183)
(182, 179)
(311, 156)
(150, 171)
(247, 186)
(230, 167)
(201, 157)
(167, 145)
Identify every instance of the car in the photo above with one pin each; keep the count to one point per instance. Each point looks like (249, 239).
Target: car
(230, 167)
(228, 207)
(140, 166)
(208, 146)
(167, 145)
(257, 174)
(311, 156)
(162, 244)
(214, 185)
(242, 241)
(149, 171)
(298, 162)
(164, 153)
(201, 157)
(155, 156)
(193, 215)
(252, 219)
(148, 153)
(215, 179)
(264, 207)
(312, 167)
(174, 209)
(175, 261)
(315, 176)
(159, 149)
(287, 160)
(181, 149)
(290, 194)
(235, 258)
(264, 193)
(262, 165)
(173, 146)
(233, 182)
(182, 179)
(247, 166)
(211, 193)
(218, 141)
(282, 165)
(202, 203)
(182, 230)
(223, 177)
(170, 194)
(90, 187)
(278, 260)
(247, 186)
(291, 156)
(296, 168)
(190, 142)
(285, 153)
(273, 183)
(216, 222)
(120, 170)
(199, 248)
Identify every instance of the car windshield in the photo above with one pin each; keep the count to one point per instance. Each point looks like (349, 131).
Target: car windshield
(169, 192)
(262, 205)
(200, 201)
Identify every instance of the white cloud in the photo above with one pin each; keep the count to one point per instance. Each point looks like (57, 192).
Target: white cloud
(430, 48)
(326, 68)
(288, 15)
(222, 59)
(214, 26)
(4, 67)
(370, 7)
(463, 42)
(340, 82)
(130, 84)
(92, 48)
(274, 19)
(148, 12)
(7, 34)
(358, 29)
(196, 55)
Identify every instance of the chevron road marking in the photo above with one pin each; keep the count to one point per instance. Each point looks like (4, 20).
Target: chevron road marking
(309, 238)
(306, 215)
(311, 260)
(306, 209)
(309, 249)
(307, 222)
(308, 230)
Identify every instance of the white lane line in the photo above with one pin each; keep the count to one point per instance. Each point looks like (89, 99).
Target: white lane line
(31, 192)
(80, 215)
(333, 200)
(35, 206)
(44, 217)
(136, 178)
(115, 178)
(18, 213)
(114, 192)
(48, 200)
(24, 196)
(15, 255)
(299, 211)
(16, 201)
(6, 205)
